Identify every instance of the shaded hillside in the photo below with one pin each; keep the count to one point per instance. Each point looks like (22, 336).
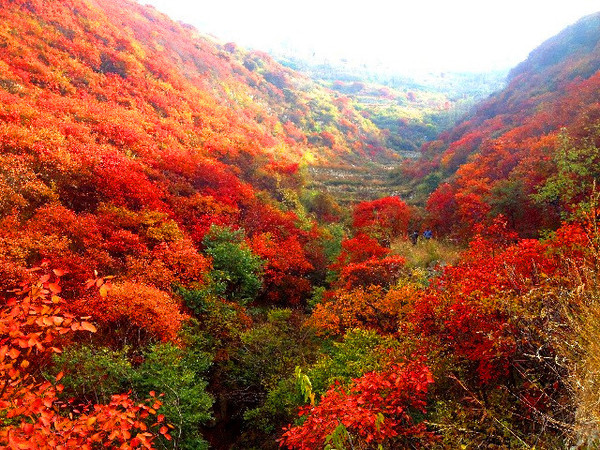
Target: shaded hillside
(505, 158)
(409, 109)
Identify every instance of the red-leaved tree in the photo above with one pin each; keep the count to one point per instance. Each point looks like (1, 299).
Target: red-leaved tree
(378, 408)
(384, 219)
(31, 325)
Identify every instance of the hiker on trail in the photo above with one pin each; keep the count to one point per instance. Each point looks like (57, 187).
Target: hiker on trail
(414, 237)
(427, 234)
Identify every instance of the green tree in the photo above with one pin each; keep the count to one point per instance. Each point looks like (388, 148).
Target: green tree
(360, 351)
(267, 355)
(577, 169)
(237, 271)
(94, 374)
(178, 374)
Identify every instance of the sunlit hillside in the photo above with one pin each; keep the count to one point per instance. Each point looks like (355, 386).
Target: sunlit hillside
(529, 152)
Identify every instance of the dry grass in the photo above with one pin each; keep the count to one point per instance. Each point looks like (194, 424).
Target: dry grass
(427, 253)
(572, 304)
(581, 352)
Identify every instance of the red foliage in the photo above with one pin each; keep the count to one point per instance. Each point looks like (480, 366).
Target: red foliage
(375, 409)
(31, 324)
(380, 272)
(328, 138)
(441, 207)
(385, 218)
(286, 269)
(469, 329)
(359, 249)
(573, 239)
(123, 182)
(369, 308)
(465, 309)
(169, 264)
(499, 158)
(125, 309)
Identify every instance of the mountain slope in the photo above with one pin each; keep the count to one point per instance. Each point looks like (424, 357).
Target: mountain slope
(116, 53)
(163, 169)
(501, 159)
(125, 136)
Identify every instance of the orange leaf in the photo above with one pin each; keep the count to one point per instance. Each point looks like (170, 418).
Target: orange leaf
(88, 327)
(47, 321)
(57, 320)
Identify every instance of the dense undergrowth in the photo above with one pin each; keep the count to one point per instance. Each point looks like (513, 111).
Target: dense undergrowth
(496, 349)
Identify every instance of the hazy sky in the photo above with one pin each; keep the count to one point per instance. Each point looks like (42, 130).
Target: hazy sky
(474, 35)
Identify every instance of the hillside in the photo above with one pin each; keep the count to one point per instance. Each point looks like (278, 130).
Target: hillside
(152, 178)
(514, 154)
(410, 109)
(169, 68)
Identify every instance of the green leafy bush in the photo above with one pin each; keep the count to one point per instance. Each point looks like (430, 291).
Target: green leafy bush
(237, 271)
(178, 374)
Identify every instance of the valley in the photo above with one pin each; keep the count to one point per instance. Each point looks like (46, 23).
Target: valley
(206, 246)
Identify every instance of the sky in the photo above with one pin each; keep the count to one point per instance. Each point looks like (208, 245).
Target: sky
(439, 35)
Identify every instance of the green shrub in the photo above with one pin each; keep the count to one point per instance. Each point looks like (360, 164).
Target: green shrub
(94, 374)
(178, 374)
(237, 271)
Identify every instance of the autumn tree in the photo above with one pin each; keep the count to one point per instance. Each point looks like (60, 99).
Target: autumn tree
(31, 325)
(378, 408)
(384, 219)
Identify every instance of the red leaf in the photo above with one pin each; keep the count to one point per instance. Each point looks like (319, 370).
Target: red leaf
(54, 288)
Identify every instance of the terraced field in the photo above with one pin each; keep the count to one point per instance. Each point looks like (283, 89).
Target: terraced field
(352, 183)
